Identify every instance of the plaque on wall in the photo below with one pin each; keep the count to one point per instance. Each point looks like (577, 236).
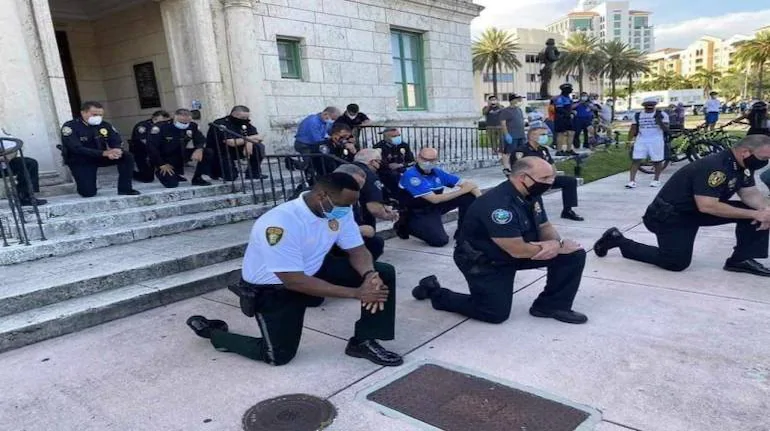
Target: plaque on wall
(147, 85)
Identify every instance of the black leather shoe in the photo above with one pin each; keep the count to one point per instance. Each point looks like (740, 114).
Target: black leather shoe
(203, 326)
(371, 350)
(248, 299)
(131, 192)
(32, 201)
(566, 316)
(750, 266)
(609, 240)
(401, 228)
(571, 215)
(197, 181)
(181, 178)
(426, 288)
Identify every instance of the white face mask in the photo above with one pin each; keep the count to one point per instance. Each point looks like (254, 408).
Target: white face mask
(95, 120)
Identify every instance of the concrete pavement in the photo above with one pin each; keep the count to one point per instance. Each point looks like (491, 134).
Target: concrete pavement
(662, 351)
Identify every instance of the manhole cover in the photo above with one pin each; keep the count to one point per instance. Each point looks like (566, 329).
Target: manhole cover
(456, 401)
(297, 412)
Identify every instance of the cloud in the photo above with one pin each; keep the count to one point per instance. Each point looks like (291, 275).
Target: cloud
(509, 14)
(681, 34)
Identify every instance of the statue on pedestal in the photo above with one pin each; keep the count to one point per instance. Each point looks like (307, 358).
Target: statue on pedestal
(547, 57)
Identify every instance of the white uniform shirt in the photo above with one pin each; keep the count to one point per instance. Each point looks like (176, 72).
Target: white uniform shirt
(290, 238)
(649, 131)
(713, 105)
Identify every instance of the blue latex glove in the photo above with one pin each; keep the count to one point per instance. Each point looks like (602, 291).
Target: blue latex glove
(508, 139)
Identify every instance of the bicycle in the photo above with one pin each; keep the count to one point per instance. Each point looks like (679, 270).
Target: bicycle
(689, 144)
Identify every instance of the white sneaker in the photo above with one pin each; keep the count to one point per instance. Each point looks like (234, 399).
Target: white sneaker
(655, 183)
(631, 185)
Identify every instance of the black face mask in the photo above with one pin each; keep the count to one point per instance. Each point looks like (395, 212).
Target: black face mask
(537, 189)
(753, 163)
(239, 121)
(566, 92)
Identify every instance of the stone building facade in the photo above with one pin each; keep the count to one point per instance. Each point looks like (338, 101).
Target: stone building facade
(402, 61)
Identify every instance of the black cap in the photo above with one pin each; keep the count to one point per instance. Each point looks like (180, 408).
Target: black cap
(565, 85)
(515, 96)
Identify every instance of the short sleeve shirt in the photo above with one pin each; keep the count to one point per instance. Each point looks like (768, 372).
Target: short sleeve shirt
(514, 121)
(650, 133)
(717, 176)
(370, 192)
(419, 184)
(291, 238)
(492, 116)
(502, 212)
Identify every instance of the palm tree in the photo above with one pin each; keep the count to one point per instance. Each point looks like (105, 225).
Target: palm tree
(493, 50)
(756, 52)
(635, 65)
(578, 56)
(706, 79)
(614, 56)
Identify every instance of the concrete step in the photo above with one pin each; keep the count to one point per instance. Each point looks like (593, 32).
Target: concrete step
(128, 233)
(39, 324)
(36, 284)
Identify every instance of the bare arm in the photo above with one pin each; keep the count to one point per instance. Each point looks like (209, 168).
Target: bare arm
(379, 211)
(713, 206)
(444, 197)
(548, 232)
(360, 259)
(752, 197)
(632, 132)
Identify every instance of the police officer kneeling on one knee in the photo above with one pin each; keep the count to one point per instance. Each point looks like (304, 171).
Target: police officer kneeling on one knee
(426, 200)
(90, 143)
(368, 228)
(282, 276)
(698, 195)
(168, 148)
(507, 230)
(138, 145)
(536, 146)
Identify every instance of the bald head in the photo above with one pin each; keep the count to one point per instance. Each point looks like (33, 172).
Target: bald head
(354, 171)
(428, 154)
(528, 170)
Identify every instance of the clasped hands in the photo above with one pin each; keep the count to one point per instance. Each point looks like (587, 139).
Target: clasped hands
(113, 153)
(762, 219)
(552, 248)
(373, 293)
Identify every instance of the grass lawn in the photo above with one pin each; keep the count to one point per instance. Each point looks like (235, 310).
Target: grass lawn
(601, 164)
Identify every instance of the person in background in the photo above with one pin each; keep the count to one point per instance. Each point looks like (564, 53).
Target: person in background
(227, 150)
(168, 150)
(563, 109)
(314, 129)
(496, 138)
(15, 167)
(367, 225)
(711, 110)
(648, 135)
(512, 123)
(676, 117)
(584, 116)
(353, 118)
(397, 156)
(138, 145)
(605, 118)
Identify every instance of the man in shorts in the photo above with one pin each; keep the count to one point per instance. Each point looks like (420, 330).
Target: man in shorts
(647, 132)
(564, 128)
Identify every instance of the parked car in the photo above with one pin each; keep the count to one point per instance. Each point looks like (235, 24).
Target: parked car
(626, 115)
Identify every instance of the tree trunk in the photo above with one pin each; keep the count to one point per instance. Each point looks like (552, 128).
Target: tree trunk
(580, 77)
(760, 86)
(613, 78)
(630, 89)
(494, 78)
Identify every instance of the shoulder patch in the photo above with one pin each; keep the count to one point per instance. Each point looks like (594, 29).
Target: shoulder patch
(155, 130)
(502, 216)
(141, 129)
(66, 131)
(378, 184)
(415, 181)
(273, 234)
(716, 179)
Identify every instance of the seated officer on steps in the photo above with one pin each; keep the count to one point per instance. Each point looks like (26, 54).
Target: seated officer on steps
(90, 143)
(396, 157)
(426, 201)
(698, 195)
(227, 150)
(504, 231)
(138, 145)
(536, 146)
(168, 148)
(287, 268)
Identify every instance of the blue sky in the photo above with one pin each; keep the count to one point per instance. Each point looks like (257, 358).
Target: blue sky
(677, 22)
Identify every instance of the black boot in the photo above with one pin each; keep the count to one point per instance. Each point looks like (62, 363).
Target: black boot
(608, 241)
(426, 288)
(203, 326)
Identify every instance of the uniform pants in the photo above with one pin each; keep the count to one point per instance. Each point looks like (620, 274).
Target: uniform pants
(375, 245)
(281, 314)
(581, 127)
(765, 177)
(426, 224)
(491, 288)
(84, 173)
(676, 239)
(390, 180)
(224, 161)
(568, 186)
(17, 165)
(144, 171)
(202, 168)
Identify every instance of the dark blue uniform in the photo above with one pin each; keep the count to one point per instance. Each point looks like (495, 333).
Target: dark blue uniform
(567, 184)
(82, 148)
(674, 217)
(370, 192)
(223, 165)
(400, 154)
(504, 213)
(138, 147)
(167, 145)
(423, 219)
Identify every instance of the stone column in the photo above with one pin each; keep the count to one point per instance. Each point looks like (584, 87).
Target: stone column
(247, 73)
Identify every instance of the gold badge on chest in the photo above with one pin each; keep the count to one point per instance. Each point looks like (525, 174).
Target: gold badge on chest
(104, 132)
(334, 225)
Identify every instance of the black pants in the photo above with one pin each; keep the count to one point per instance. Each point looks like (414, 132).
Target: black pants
(390, 180)
(425, 223)
(281, 315)
(202, 168)
(144, 171)
(17, 165)
(492, 288)
(581, 127)
(84, 173)
(568, 186)
(224, 161)
(375, 245)
(676, 238)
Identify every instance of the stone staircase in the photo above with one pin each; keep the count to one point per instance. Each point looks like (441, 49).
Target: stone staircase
(111, 256)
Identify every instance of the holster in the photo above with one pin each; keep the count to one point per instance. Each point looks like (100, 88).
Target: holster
(248, 294)
(472, 261)
(660, 212)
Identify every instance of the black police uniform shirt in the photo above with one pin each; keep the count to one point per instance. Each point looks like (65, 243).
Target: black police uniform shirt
(141, 131)
(502, 212)
(85, 142)
(338, 149)
(419, 184)
(717, 176)
(370, 192)
(216, 136)
(356, 121)
(167, 143)
(400, 153)
(528, 151)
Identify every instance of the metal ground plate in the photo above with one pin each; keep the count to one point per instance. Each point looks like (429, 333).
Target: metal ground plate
(297, 412)
(447, 398)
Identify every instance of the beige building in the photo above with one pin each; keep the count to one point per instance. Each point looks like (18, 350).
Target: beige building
(405, 61)
(664, 61)
(526, 80)
(708, 52)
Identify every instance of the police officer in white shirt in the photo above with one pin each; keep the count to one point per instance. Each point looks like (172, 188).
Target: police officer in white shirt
(287, 268)
(711, 109)
(647, 132)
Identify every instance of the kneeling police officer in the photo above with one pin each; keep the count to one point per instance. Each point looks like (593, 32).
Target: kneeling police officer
(507, 230)
(168, 149)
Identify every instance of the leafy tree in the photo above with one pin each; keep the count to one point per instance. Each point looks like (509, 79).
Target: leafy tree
(495, 49)
(578, 57)
(755, 53)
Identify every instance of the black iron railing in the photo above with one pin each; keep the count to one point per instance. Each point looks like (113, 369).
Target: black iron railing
(12, 149)
(452, 143)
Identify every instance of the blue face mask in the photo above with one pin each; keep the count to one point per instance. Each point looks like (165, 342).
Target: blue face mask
(396, 140)
(336, 212)
(181, 126)
(542, 139)
(329, 122)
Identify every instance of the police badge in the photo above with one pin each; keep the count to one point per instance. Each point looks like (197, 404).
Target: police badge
(537, 208)
(66, 131)
(104, 132)
(141, 129)
(155, 130)
(189, 134)
(334, 225)
(324, 149)
(403, 151)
